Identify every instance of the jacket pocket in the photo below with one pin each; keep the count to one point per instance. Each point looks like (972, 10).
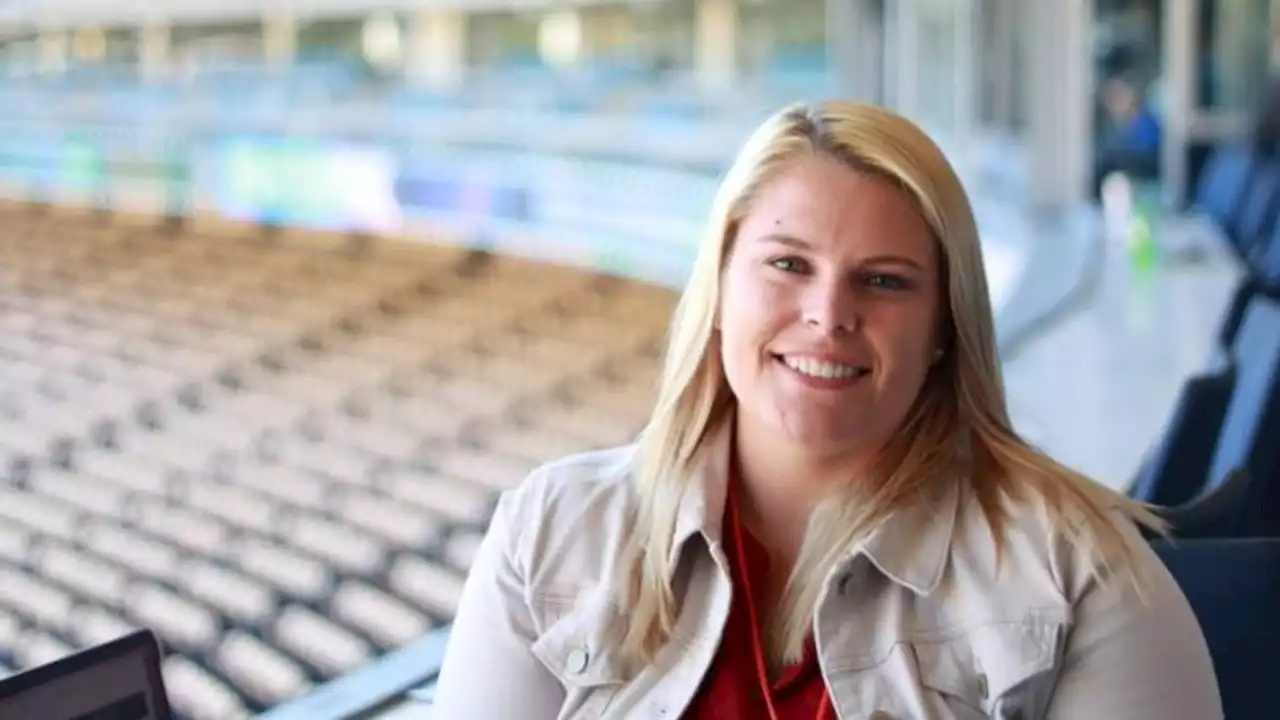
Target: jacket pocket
(579, 647)
(996, 670)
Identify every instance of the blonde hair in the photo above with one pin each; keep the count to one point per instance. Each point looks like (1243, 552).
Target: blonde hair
(959, 422)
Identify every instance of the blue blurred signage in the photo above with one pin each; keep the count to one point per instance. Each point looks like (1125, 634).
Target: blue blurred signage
(309, 183)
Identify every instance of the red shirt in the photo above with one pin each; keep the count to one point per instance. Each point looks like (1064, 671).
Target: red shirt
(731, 688)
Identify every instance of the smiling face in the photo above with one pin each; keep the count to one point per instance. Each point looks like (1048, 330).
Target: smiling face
(830, 307)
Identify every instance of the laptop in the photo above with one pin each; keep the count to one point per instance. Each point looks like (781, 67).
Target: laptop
(118, 680)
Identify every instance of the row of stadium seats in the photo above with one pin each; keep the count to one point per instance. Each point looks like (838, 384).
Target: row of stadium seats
(278, 456)
(1217, 464)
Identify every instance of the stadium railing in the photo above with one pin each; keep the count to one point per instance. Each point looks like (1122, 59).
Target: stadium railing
(399, 678)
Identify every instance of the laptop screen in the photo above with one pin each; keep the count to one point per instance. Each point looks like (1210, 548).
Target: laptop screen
(116, 681)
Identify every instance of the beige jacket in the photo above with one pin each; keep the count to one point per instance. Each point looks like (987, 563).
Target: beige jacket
(914, 625)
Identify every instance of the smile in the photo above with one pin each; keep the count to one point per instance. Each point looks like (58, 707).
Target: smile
(828, 374)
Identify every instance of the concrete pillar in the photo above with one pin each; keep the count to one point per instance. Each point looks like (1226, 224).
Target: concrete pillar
(998, 57)
(964, 80)
(154, 52)
(54, 49)
(716, 52)
(437, 53)
(1060, 85)
(279, 40)
(856, 46)
(903, 34)
(1181, 76)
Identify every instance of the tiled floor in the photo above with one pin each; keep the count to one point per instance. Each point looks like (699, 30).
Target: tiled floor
(1095, 388)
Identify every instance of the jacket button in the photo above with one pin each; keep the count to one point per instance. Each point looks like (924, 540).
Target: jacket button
(578, 661)
(849, 583)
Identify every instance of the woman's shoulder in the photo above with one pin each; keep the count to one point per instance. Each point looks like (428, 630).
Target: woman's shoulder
(574, 484)
(1073, 540)
(565, 523)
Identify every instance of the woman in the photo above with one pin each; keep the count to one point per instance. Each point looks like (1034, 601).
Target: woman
(828, 514)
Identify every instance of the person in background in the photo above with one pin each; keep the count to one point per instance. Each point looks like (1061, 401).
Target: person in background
(829, 513)
(1130, 134)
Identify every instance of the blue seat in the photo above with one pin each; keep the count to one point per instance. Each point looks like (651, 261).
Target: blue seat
(1256, 219)
(1234, 588)
(1229, 325)
(1223, 187)
(1264, 265)
(1175, 471)
(1262, 257)
(1215, 514)
(1216, 471)
(1251, 426)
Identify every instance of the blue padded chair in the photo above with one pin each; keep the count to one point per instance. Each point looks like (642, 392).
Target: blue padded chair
(1256, 219)
(1233, 315)
(1218, 513)
(1234, 588)
(1175, 471)
(1264, 265)
(1224, 185)
(1251, 426)
(1216, 470)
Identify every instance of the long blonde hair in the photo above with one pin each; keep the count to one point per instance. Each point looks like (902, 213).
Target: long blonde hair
(959, 421)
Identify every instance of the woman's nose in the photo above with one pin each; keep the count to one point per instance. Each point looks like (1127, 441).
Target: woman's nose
(831, 308)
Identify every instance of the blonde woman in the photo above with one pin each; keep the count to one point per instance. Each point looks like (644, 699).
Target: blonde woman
(828, 514)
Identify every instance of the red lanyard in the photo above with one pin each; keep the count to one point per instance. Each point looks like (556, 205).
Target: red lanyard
(757, 644)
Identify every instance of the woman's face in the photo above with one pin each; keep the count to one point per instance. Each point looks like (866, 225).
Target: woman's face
(829, 312)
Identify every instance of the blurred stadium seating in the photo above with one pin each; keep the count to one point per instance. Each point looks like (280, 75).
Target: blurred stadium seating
(237, 408)
(279, 456)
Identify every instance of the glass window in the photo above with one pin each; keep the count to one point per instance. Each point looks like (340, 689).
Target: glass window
(1233, 39)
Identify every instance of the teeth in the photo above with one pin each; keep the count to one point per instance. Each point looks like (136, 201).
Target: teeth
(819, 369)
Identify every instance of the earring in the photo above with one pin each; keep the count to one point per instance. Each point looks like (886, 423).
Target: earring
(937, 355)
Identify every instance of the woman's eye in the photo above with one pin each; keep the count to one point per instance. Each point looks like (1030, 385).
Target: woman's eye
(883, 281)
(788, 264)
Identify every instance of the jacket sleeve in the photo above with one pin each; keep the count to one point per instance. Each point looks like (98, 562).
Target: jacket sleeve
(1130, 660)
(489, 672)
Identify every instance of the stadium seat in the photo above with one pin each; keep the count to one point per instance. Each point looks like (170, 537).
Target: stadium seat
(1216, 513)
(1217, 468)
(1259, 205)
(1234, 588)
(1265, 265)
(1223, 188)
(1252, 420)
(280, 457)
(1233, 314)
(1174, 473)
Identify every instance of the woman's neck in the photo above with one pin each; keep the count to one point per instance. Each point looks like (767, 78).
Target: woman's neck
(779, 484)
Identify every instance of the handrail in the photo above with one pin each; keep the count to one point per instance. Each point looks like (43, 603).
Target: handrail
(700, 144)
(640, 222)
(386, 679)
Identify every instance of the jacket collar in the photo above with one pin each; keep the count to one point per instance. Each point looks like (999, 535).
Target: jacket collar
(911, 547)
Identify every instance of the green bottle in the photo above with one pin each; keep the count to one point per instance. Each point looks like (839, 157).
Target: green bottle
(1143, 251)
